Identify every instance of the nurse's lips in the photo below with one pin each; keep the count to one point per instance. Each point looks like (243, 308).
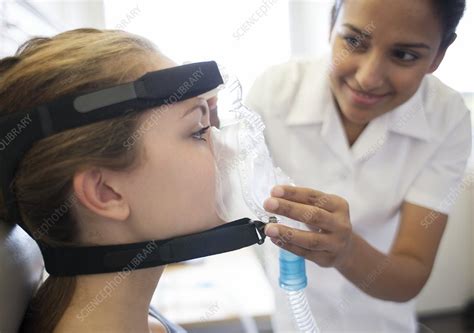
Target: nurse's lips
(366, 99)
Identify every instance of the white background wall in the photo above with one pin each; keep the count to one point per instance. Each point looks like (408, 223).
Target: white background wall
(246, 36)
(21, 20)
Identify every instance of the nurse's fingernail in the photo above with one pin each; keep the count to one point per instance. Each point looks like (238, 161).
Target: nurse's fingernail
(271, 231)
(278, 191)
(270, 204)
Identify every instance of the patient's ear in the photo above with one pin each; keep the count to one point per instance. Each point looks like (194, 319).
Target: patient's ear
(99, 190)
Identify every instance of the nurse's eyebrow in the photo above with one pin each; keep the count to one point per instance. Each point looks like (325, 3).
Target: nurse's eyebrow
(200, 105)
(414, 45)
(402, 45)
(357, 30)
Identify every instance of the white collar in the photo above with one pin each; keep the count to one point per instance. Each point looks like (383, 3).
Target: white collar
(410, 118)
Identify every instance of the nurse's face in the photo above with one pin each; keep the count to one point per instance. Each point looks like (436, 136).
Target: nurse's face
(381, 51)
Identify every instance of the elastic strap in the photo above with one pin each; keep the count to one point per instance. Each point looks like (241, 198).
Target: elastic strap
(68, 261)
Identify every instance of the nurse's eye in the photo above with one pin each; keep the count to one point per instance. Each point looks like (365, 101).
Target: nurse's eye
(199, 135)
(405, 56)
(354, 42)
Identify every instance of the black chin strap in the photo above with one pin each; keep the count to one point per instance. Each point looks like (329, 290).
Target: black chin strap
(68, 261)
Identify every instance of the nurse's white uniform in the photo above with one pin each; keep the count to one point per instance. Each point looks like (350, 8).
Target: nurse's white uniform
(415, 153)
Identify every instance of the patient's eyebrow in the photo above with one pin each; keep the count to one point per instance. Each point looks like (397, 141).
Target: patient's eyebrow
(200, 105)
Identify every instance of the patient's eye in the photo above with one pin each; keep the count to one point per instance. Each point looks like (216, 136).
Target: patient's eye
(199, 135)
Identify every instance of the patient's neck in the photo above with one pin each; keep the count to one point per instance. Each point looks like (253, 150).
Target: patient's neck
(113, 302)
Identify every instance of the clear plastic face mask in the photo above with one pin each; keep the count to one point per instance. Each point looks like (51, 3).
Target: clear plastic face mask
(245, 173)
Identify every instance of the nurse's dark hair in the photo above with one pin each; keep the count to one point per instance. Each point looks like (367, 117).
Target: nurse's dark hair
(42, 70)
(449, 13)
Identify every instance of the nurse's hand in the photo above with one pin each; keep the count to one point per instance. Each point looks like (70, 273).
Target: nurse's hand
(327, 216)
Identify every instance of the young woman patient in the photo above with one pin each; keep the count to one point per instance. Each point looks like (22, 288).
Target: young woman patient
(125, 180)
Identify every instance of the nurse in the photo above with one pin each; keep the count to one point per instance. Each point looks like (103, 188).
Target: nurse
(381, 146)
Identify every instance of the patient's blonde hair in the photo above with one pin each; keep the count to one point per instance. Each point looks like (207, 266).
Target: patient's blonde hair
(42, 70)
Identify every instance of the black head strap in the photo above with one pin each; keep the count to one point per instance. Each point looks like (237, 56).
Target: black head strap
(20, 130)
(67, 261)
(154, 89)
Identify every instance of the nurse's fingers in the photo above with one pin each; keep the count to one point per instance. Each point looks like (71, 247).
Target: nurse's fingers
(299, 251)
(322, 258)
(307, 240)
(311, 215)
(306, 196)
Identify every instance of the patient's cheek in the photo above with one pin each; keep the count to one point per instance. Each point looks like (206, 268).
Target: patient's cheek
(211, 199)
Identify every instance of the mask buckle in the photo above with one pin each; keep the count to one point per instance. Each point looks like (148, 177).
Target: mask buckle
(260, 228)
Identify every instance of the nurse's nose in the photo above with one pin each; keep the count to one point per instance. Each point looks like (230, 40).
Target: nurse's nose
(370, 73)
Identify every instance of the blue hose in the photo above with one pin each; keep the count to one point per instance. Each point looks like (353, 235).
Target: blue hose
(293, 280)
